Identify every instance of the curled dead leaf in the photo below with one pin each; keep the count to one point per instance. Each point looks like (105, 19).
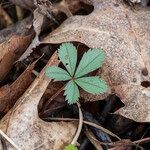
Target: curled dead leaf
(20, 28)
(37, 24)
(11, 50)
(28, 4)
(10, 94)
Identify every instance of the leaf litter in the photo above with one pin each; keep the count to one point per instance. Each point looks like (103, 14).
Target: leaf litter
(9, 94)
(124, 35)
(23, 124)
(39, 126)
(11, 50)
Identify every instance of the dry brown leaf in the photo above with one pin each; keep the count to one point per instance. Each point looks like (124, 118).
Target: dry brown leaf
(22, 27)
(44, 5)
(37, 24)
(124, 34)
(26, 129)
(4, 17)
(27, 4)
(45, 10)
(11, 50)
(10, 94)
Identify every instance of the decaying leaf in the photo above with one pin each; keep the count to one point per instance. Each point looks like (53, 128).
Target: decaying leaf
(26, 129)
(10, 94)
(46, 7)
(11, 50)
(124, 34)
(28, 4)
(37, 24)
(5, 18)
(21, 28)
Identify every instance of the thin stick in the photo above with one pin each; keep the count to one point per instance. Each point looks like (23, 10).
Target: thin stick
(9, 140)
(88, 123)
(101, 128)
(74, 141)
(142, 140)
(19, 12)
(142, 137)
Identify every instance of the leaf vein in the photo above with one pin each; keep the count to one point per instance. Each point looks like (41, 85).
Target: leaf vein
(91, 84)
(88, 64)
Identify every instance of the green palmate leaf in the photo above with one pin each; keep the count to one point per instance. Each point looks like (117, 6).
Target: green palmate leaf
(56, 73)
(68, 55)
(71, 92)
(71, 147)
(93, 85)
(90, 61)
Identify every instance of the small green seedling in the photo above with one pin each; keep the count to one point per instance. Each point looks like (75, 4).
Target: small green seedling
(91, 60)
(71, 147)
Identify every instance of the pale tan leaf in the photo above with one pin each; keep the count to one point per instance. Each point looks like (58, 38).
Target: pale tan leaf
(124, 34)
(26, 129)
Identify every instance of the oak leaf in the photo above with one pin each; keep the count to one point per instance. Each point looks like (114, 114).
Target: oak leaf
(124, 34)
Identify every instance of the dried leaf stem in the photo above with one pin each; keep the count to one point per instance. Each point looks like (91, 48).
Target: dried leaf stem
(88, 123)
(74, 141)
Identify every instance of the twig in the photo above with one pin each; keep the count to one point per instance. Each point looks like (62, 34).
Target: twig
(142, 140)
(3, 143)
(74, 141)
(88, 123)
(102, 128)
(93, 140)
(35, 73)
(9, 140)
(19, 12)
(142, 137)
